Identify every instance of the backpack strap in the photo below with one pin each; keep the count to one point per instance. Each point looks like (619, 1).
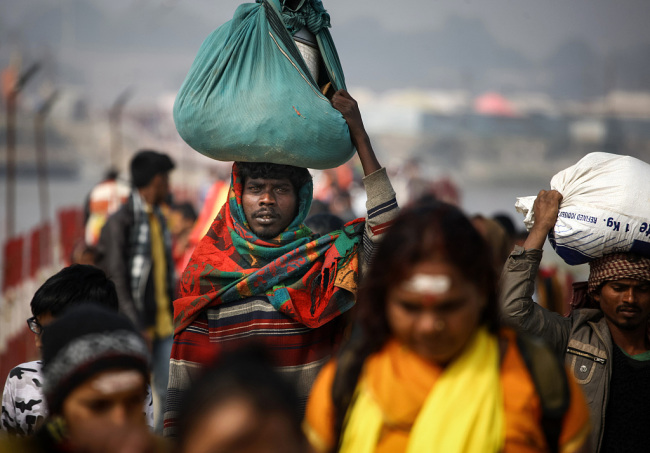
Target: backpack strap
(551, 383)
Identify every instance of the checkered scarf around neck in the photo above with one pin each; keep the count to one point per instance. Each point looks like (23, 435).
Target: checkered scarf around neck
(140, 241)
(310, 279)
(615, 267)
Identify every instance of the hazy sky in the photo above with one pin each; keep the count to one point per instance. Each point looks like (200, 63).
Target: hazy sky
(533, 26)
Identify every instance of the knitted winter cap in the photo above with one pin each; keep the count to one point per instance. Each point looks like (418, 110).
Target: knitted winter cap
(146, 164)
(617, 266)
(86, 340)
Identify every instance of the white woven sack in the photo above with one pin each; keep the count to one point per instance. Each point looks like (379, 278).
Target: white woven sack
(605, 208)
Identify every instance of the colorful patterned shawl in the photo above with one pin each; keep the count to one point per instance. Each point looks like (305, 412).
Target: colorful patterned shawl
(310, 279)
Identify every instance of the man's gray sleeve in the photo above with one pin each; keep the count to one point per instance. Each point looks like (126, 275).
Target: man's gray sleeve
(382, 209)
(518, 307)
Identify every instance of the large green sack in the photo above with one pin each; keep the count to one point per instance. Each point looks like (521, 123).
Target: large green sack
(249, 95)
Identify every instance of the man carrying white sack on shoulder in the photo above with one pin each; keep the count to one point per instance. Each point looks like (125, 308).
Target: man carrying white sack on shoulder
(607, 347)
(260, 274)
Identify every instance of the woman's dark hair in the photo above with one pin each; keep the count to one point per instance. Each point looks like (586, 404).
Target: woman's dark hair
(297, 175)
(427, 230)
(324, 223)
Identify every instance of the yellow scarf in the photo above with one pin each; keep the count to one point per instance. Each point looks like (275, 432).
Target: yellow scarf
(164, 325)
(462, 413)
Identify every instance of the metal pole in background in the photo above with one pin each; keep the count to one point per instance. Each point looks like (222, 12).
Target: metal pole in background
(115, 119)
(40, 141)
(12, 99)
(11, 164)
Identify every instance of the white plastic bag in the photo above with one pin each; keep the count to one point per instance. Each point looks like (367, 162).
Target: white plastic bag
(605, 208)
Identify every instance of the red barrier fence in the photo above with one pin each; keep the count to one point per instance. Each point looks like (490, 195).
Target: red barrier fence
(27, 261)
(40, 249)
(71, 232)
(13, 263)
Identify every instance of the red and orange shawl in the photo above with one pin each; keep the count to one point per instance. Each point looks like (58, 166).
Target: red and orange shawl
(310, 279)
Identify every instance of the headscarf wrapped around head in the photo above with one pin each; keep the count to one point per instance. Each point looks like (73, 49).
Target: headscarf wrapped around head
(610, 267)
(617, 266)
(310, 279)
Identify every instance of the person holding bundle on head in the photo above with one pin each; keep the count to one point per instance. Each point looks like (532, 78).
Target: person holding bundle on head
(267, 91)
(595, 213)
(260, 273)
(604, 342)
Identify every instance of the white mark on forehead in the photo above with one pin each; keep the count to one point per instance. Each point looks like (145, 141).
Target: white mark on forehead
(427, 284)
(118, 381)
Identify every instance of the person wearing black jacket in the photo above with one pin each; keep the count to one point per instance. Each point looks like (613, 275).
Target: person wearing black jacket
(134, 250)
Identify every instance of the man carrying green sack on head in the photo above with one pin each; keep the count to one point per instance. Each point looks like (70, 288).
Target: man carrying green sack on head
(261, 275)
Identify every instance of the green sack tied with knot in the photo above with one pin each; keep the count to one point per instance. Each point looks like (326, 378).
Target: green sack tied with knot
(250, 96)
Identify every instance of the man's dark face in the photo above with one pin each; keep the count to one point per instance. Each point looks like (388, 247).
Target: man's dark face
(160, 188)
(625, 303)
(269, 205)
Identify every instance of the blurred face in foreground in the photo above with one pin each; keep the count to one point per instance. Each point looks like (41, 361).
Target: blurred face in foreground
(237, 426)
(434, 311)
(160, 188)
(105, 403)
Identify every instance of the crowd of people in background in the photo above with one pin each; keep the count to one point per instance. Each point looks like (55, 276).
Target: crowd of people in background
(284, 323)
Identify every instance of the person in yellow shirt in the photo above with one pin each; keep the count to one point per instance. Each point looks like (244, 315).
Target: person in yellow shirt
(429, 366)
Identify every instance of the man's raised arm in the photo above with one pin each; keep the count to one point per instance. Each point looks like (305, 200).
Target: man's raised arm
(381, 204)
(520, 272)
